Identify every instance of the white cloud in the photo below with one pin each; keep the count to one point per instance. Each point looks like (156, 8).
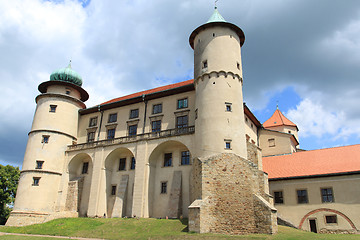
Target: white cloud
(312, 119)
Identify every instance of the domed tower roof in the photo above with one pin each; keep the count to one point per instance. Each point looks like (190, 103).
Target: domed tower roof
(67, 75)
(217, 20)
(278, 119)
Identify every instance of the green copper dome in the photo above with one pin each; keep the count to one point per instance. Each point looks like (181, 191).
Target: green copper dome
(67, 75)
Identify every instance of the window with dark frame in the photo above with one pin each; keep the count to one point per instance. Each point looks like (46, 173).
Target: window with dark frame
(85, 168)
(112, 118)
(133, 130)
(45, 139)
(228, 107)
(185, 158)
(111, 133)
(36, 181)
(133, 163)
(163, 187)
(67, 91)
(182, 103)
(134, 113)
(156, 126)
(93, 122)
(113, 190)
(331, 219)
(278, 197)
(182, 121)
(227, 144)
(53, 108)
(167, 159)
(157, 108)
(39, 164)
(302, 196)
(91, 137)
(327, 195)
(204, 64)
(122, 164)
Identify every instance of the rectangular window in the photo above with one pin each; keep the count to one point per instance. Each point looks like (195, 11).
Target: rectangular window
(156, 126)
(36, 181)
(182, 103)
(122, 164)
(111, 133)
(134, 113)
(132, 130)
(91, 136)
(204, 64)
(302, 196)
(167, 159)
(228, 107)
(85, 168)
(39, 164)
(93, 122)
(331, 219)
(157, 108)
(52, 108)
(45, 139)
(227, 144)
(271, 142)
(163, 187)
(182, 121)
(185, 158)
(133, 163)
(113, 190)
(327, 195)
(112, 118)
(278, 197)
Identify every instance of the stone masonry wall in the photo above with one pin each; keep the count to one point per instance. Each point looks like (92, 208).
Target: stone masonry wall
(228, 186)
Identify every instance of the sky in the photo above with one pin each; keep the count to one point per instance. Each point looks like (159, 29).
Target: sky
(303, 55)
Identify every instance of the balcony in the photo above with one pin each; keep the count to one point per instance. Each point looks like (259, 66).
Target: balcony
(138, 137)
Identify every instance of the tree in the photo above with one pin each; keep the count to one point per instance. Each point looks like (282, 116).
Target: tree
(9, 178)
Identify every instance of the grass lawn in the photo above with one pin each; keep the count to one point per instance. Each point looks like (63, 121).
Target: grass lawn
(130, 228)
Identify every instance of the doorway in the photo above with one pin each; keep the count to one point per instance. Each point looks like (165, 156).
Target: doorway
(313, 227)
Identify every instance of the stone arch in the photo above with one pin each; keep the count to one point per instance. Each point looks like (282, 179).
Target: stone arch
(175, 201)
(119, 201)
(80, 170)
(327, 210)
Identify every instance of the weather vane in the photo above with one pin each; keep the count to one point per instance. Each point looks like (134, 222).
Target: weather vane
(215, 3)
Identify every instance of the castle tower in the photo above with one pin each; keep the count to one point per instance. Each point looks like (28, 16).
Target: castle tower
(54, 128)
(218, 83)
(278, 122)
(228, 191)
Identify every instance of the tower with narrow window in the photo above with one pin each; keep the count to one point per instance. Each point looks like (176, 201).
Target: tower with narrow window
(218, 83)
(54, 127)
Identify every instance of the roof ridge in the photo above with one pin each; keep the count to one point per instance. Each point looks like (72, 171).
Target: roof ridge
(320, 149)
(150, 91)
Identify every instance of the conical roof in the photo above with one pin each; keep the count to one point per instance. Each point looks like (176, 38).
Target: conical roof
(67, 75)
(216, 17)
(278, 119)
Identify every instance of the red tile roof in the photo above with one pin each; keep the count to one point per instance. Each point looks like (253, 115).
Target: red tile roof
(154, 90)
(314, 162)
(278, 119)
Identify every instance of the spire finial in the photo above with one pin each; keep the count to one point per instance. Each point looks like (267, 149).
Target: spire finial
(215, 3)
(277, 105)
(69, 64)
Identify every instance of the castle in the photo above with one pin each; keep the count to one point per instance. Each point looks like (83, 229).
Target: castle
(190, 149)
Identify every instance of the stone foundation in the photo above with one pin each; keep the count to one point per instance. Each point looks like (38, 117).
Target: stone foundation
(229, 197)
(18, 218)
